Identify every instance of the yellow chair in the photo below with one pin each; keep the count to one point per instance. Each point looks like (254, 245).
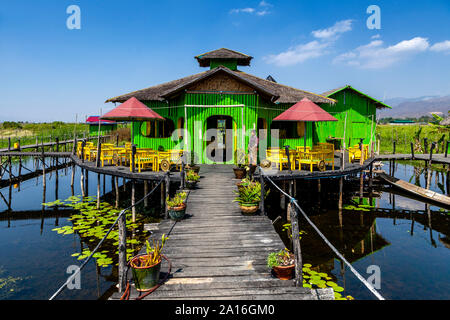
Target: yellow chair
(107, 155)
(146, 158)
(354, 153)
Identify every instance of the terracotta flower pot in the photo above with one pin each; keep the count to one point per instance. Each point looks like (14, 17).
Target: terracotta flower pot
(249, 208)
(239, 173)
(284, 272)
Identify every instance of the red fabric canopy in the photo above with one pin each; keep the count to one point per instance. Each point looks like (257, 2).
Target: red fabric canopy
(305, 110)
(132, 110)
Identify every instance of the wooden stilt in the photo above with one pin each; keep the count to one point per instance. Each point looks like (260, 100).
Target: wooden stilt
(293, 213)
(133, 200)
(122, 224)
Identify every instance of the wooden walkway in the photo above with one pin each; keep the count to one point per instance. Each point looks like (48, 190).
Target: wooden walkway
(217, 253)
(436, 158)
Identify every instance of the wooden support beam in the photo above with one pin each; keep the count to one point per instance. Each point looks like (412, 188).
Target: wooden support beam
(263, 192)
(293, 213)
(122, 224)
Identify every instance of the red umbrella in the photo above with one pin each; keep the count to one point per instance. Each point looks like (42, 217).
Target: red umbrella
(132, 110)
(307, 111)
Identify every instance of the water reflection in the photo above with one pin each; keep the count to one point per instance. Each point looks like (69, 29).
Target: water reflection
(407, 238)
(33, 258)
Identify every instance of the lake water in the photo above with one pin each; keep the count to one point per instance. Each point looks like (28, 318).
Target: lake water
(33, 258)
(413, 258)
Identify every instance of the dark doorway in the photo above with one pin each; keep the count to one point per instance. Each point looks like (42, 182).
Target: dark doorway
(219, 135)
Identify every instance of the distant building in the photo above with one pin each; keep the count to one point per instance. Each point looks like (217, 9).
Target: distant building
(402, 122)
(106, 126)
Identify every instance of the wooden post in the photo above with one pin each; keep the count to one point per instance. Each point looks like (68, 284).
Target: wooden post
(394, 146)
(378, 144)
(293, 213)
(133, 155)
(133, 200)
(433, 145)
(425, 144)
(57, 144)
(99, 152)
(341, 187)
(122, 224)
(286, 148)
(166, 212)
(263, 192)
(145, 193)
(412, 150)
(98, 191)
(446, 148)
(182, 172)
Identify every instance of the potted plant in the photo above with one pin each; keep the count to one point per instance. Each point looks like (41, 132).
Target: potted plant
(241, 164)
(176, 207)
(243, 183)
(146, 267)
(249, 197)
(282, 263)
(191, 179)
(192, 166)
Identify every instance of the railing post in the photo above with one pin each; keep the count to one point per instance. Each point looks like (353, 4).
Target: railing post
(182, 172)
(83, 144)
(166, 211)
(425, 145)
(133, 155)
(394, 146)
(446, 148)
(296, 245)
(99, 152)
(412, 150)
(263, 192)
(286, 148)
(122, 223)
(57, 144)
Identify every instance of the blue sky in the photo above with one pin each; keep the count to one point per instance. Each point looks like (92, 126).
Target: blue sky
(50, 73)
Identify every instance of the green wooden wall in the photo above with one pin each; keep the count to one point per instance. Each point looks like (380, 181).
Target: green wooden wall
(104, 129)
(361, 119)
(244, 109)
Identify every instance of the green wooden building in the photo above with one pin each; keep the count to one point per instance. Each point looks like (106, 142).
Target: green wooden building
(106, 126)
(218, 108)
(356, 113)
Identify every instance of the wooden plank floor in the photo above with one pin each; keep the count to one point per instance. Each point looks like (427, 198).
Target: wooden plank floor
(217, 253)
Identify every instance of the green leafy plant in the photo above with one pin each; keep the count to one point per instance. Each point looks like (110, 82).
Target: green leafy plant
(249, 194)
(192, 176)
(176, 201)
(288, 228)
(153, 255)
(280, 258)
(92, 224)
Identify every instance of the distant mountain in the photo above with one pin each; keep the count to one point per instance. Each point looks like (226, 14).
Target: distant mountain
(415, 107)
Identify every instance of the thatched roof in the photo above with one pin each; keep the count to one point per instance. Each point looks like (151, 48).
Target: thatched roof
(223, 53)
(276, 92)
(378, 104)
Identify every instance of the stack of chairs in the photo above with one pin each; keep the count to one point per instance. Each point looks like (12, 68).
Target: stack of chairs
(354, 153)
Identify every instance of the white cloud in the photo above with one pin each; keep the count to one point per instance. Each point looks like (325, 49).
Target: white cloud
(377, 36)
(299, 54)
(244, 10)
(313, 49)
(441, 46)
(376, 56)
(333, 32)
(260, 10)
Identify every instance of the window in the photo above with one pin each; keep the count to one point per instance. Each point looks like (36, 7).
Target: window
(157, 129)
(289, 129)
